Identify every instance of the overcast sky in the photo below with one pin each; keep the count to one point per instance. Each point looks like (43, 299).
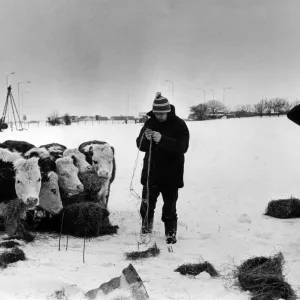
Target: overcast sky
(111, 57)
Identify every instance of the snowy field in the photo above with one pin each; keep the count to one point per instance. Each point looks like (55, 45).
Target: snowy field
(233, 169)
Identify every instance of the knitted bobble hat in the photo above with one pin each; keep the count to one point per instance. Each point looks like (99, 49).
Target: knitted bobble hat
(161, 104)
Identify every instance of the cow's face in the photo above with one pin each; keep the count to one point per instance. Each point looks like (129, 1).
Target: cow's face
(68, 176)
(79, 160)
(28, 180)
(49, 195)
(102, 160)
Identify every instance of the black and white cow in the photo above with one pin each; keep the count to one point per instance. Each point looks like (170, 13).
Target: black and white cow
(19, 146)
(101, 156)
(20, 178)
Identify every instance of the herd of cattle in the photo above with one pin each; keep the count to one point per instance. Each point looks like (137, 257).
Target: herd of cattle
(52, 176)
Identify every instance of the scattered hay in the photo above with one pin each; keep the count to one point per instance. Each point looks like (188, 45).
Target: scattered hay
(195, 269)
(87, 219)
(9, 244)
(150, 252)
(263, 277)
(284, 208)
(11, 256)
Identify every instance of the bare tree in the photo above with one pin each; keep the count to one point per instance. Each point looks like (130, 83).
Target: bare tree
(242, 110)
(215, 106)
(199, 111)
(278, 104)
(269, 106)
(53, 118)
(260, 107)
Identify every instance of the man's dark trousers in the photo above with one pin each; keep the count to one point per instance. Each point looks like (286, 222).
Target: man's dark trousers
(169, 213)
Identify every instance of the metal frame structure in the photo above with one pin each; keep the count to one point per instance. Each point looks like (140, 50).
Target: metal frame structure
(10, 100)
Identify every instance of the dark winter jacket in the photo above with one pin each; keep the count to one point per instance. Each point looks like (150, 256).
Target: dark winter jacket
(294, 114)
(167, 157)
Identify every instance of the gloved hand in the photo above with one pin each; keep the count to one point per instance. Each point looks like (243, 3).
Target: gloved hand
(148, 134)
(156, 136)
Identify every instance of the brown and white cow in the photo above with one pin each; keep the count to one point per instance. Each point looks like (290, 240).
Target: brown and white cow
(101, 156)
(50, 199)
(79, 160)
(27, 179)
(68, 176)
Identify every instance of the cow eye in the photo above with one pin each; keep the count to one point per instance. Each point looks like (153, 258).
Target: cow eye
(39, 180)
(18, 181)
(53, 191)
(95, 162)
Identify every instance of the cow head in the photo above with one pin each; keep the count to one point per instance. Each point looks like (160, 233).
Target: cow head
(27, 180)
(68, 176)
(49, 195)
(79, 160)
(102, 159)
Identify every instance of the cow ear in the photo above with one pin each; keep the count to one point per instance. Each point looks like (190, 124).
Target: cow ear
(91, 151)
(113, 150)
(33, 154)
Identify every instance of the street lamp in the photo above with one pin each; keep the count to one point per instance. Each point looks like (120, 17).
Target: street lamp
(213, 94)
(172, 87)
(204, 93)
(22, 102)
(19, 91)
(227, 88)
(7, 78)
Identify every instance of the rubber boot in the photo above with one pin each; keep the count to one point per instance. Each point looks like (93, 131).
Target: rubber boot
(147, 227)
(170, 231)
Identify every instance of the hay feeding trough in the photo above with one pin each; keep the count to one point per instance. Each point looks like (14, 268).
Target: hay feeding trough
(150, 252)
(86, 219)
(11, 256)
(284, 208)
(263, 277)
(196, 269)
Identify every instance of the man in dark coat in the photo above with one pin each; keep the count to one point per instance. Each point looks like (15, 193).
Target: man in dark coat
(166, 137)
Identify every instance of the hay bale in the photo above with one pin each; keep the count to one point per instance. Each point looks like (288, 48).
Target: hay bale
(13, 215)
(92, 185)
(11, 256)
(91, 181)
(284, 208)
(9, 244)
(87, 219)
(195, 269)
(13, 211)
(69, 200)
(263, 277)
(150, 252)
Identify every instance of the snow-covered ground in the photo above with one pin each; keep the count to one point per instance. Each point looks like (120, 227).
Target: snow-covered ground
(233, 169)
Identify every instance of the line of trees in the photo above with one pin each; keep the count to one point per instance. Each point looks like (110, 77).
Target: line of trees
(214, 109)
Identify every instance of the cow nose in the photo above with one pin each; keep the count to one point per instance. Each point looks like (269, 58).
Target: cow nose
(32, 201)
(104, 173)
